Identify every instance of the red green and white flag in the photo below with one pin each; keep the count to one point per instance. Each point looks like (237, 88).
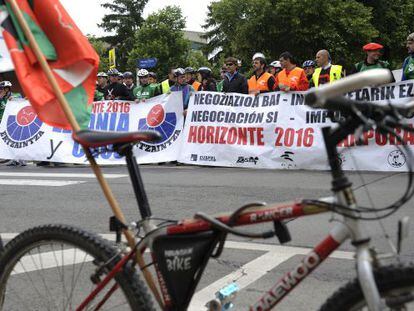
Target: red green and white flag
(71, 58)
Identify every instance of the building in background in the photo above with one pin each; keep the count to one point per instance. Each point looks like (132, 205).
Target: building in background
(197, 42)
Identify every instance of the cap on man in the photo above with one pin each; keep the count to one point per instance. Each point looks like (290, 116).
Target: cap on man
(326, 72)
(372, 60)
(261, 81)
(408, 65)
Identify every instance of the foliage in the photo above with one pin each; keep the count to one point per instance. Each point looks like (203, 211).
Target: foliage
(394, 21)
(123, 21)
(101, 47)
(243, 27)
(161, 36)
(196, 59)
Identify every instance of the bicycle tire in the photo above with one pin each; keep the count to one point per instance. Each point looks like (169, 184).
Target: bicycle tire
(391, 280)
(49, 280)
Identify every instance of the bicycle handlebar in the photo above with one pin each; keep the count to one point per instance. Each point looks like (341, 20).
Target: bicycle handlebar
(318, 97)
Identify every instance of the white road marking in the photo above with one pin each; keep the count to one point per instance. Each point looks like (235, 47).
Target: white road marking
(59, 175)
(247, 274)
(255, 269)
(39, 182)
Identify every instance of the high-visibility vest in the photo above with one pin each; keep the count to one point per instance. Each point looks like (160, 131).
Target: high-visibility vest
(165, 86)
(334, 74)
(259, 84)
(196, 85)
(290, 79)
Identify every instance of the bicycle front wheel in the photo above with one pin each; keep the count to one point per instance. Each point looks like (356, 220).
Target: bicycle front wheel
(51, 267)
(395, 284)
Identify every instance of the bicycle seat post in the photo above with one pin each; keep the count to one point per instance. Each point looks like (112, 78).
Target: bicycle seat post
(137, 183)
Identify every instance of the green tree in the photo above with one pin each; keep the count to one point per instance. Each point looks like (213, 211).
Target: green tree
(162, 36)
(101, 47)
(123, 21)
(196, 59)
(243, 27)
(394, 21)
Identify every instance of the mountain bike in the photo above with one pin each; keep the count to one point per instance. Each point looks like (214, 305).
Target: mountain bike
(61, 267)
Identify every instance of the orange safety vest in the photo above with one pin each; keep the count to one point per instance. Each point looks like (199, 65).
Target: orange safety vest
(196, 85)
(260, 84)
(292, 79)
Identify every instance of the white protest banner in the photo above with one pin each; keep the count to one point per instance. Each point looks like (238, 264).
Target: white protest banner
(24, 136)
(276, 130)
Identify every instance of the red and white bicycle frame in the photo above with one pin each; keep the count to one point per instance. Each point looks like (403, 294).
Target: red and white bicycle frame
(255, 215)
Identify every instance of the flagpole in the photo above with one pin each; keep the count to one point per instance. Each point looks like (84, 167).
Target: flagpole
(75, 127)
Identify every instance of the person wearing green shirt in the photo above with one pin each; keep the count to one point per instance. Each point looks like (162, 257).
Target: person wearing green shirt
(372, 61)
(144, 90)
(408, 65)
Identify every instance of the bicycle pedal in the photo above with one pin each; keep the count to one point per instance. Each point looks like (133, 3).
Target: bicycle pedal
(224, 298)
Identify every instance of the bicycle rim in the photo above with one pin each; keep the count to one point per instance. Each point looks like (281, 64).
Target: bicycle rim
(55, 274)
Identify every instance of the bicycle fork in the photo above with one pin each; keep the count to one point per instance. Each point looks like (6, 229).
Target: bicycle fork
(364, 259)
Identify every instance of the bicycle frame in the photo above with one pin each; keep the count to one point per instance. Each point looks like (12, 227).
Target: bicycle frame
(348, 229)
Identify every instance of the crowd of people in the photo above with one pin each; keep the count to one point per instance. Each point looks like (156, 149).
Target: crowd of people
(283, 74)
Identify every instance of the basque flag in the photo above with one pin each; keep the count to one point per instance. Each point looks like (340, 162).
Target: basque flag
(70, 56)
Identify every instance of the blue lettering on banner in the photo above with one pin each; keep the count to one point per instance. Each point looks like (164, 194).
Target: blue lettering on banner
(118, 122)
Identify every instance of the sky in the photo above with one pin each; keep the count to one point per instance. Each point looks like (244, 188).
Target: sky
(87, 13)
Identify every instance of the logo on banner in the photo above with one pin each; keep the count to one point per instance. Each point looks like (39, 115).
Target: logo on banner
(207, 158)
(288, 162)
(165, 123)
(396, 159)
(194, 157)
(243, 160)
(22, 129)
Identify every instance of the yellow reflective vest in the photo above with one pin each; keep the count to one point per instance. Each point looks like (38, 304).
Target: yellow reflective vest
(334, 74)
(165, 86)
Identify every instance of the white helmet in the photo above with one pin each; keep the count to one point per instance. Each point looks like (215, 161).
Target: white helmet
(102, 74)
(258, 55)
(5, 84)
(143, 73)
(275, 64)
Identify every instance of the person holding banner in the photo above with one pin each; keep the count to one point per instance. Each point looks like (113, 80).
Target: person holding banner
(326, 72)
(190, 75)
(169, 82)
(291, 78)
(372, 61)
(233, 81)
(116, 89)
(261, 81)
(144, 90)
(208, 83)
(274, 68)
(408, 65)
(181, 85)
(309, 67)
